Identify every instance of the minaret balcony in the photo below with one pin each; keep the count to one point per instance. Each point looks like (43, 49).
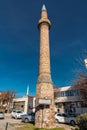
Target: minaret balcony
(44, 21)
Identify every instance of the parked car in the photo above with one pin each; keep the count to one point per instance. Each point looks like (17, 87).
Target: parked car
(65, 118)
(1, 115)
(16, 114)
(28, 118)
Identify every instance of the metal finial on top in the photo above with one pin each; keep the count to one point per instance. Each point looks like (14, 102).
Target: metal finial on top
(43, 7)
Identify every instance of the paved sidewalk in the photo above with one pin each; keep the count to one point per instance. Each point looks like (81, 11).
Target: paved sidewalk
(7, 115)
(12, 123)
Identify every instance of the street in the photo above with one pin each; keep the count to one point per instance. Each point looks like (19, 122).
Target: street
(12, 124)
(11, 121)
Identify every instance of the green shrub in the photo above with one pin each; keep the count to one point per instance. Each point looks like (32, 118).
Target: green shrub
(82, 121)
(76, 128)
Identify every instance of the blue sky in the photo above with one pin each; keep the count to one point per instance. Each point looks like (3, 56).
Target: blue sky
(19, 42)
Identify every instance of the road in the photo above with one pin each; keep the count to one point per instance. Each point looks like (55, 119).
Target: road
(12, 123)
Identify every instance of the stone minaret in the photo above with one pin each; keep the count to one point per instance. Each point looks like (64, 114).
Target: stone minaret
(44, 94)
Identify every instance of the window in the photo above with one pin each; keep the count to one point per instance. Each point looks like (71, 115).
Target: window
(62, 94)
(67, 93)
(78, 104)
(64, 115)
(59, 115)
(84, 104)
(71, 93)
(59, 105)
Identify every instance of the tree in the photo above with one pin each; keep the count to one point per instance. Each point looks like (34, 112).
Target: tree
(81, 73)
(6, 98)
(81, 85)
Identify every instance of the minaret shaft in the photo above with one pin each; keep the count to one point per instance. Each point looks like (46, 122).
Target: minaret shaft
(44, 50)
(44, 62)
(44, 117)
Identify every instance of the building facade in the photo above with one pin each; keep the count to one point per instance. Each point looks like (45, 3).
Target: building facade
(69, 100)
(25, 104)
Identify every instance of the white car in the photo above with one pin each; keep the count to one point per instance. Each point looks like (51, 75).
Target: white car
(1, 115)
(16, 114)
(65, 118)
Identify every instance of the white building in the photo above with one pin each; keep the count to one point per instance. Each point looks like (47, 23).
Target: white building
(26, 104)
(68, 99)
